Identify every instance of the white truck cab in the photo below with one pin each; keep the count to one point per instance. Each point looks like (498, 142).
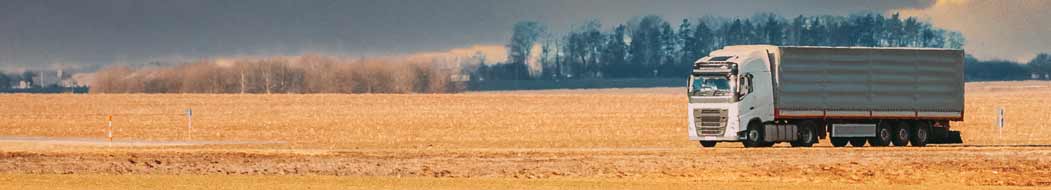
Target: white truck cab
(722, 93)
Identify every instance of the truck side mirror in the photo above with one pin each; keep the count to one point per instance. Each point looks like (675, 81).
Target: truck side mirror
(689, 85)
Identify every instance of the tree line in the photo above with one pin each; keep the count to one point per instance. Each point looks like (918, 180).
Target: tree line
(997, 70)
(299, 74)
(650, 47)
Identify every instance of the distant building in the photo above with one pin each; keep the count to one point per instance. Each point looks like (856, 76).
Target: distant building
(1040, 76)
(460, 77)
(24, 84)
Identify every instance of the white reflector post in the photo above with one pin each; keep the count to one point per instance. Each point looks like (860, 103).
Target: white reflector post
(1000, 123)
(1000, 117)
(189, 124)
(109, 129)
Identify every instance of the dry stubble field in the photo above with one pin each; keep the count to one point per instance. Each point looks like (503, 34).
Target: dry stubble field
(614, 138)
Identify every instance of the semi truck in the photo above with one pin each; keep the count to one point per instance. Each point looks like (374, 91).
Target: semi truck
(762, 95)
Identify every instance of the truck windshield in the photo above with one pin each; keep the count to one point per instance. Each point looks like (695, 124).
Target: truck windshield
(710, 86)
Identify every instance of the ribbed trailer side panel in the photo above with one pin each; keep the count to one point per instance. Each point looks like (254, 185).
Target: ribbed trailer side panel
(870, 82)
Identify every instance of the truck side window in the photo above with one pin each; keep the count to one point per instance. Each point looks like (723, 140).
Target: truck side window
(749, 81)
(745, 85)
(742, 87)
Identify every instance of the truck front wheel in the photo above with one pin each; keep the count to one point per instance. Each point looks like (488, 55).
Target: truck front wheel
(708, 143)
(753, 137)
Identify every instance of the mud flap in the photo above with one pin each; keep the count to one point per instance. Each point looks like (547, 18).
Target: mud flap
(951, 137)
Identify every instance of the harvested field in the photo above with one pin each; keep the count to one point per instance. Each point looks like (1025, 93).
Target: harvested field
(610, 138)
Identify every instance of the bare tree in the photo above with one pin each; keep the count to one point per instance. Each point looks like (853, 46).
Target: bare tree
(303, 74)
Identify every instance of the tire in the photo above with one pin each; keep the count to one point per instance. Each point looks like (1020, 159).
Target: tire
(921, 134)
(839, 142)
(807, 136)
(766, 144)
(859, 142)
(901, 134)
(708, 143)
(883, 135)
(753, 137)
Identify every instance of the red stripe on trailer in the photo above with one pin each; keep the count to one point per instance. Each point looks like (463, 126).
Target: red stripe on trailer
(778, 114)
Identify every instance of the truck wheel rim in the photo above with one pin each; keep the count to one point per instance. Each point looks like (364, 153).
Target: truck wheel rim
(806, 136)
(921, 135)
(903, 134)
(753, 135)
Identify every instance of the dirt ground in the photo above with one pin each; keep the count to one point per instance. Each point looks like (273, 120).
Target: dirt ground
(579, 139)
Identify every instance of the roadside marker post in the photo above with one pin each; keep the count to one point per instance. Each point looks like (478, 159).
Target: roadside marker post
(109, 129)
(1000, 123)
(189, 124)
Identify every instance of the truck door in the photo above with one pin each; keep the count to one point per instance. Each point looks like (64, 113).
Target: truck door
(746, 99)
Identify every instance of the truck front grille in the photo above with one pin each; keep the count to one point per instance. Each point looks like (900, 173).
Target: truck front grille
(710, 122)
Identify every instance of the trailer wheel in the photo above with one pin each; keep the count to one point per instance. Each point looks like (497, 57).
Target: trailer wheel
(901, 134)
(708, 143)
(883, 135)
(807, 137)
(858, 142)
(920, 134)
(840, 142)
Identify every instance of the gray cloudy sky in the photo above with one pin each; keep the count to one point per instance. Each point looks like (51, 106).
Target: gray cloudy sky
(42, 33)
